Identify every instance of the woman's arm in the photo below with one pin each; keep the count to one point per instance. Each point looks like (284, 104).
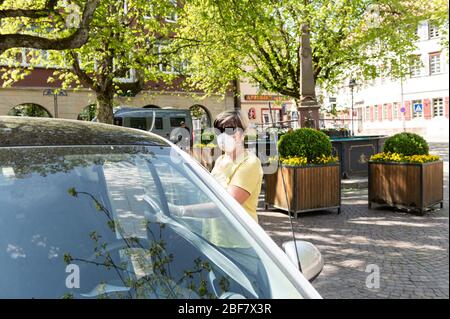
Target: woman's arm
(208, 210)
(204, 210)
(239, 194)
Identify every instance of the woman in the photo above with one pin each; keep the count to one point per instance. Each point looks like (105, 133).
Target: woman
(237, 170)
(240, 173)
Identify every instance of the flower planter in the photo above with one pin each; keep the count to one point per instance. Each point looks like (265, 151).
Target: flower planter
(406, 185)
(308, 188)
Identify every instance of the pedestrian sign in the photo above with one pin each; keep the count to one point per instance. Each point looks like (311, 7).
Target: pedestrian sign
(418, 108)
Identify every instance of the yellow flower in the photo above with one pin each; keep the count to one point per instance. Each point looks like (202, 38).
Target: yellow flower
(301, 161)
(395, 157)
(202, 145)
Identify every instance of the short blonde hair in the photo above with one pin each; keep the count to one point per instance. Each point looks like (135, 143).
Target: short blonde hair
(231, 119)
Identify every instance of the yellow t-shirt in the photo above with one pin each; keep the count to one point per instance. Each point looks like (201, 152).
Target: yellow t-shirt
(245, 173)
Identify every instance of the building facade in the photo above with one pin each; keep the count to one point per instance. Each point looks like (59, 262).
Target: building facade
(262, 109)
(32, 91)
(417, 104)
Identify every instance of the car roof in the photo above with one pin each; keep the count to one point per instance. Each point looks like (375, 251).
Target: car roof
(32, 131)
(150, 110)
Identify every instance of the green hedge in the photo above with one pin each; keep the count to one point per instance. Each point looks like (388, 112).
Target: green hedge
(407, 144)
(304, 142)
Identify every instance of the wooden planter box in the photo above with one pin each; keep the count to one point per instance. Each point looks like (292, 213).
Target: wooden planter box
(405, 185)
(308, 188)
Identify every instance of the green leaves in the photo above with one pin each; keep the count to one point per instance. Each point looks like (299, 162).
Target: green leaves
(72, 192)
(67, 258)
(121, 37)
(406, 144)
(260, 40)
(304, 142)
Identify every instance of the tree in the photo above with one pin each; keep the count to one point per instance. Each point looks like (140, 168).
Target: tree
(260, 40)
(125, 41)
(22, 23)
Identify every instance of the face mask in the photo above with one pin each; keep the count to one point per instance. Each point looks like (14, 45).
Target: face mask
(226, 142)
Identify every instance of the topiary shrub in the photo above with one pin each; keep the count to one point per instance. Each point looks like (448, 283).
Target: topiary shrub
(305, 142)
(207, 136)
(406, 144)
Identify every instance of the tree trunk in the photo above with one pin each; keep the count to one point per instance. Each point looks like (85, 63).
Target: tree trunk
(237, 94)
(105, 107)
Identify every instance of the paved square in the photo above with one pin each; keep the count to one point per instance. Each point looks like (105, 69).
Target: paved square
(411, 251)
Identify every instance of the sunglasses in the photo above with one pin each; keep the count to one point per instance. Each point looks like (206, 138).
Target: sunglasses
(227, 130)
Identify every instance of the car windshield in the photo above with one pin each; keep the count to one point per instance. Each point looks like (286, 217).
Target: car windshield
(122, 222)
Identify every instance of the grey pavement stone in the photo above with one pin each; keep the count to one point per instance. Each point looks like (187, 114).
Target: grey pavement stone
(411, 250)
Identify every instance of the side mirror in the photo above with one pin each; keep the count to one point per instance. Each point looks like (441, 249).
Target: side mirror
(311, 260)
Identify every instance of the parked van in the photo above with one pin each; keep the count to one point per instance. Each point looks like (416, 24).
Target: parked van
(168, 123)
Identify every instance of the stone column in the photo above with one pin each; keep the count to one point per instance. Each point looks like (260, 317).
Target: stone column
(308, 107)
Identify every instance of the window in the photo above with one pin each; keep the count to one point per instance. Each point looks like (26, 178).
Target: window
(385, 111)
(417, 111)
(118, 121)
(416, 32)
(375, 112)
(176, 121)
(438, 107)
(128, 76)
(367, 113)
(180, 66)
(433, 31)
(173, 15)
(395, 110)
(138, 122)
(435, 63)
(114, 212)
(27, 57)
(165, 65)
(333, 103)
(276, 116)
(416, 65)
(158, 123)
(168, 64)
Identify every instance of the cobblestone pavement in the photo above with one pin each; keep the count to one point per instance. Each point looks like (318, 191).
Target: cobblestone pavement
(411, 251)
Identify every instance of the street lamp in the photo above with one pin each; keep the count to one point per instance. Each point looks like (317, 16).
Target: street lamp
(55, 93)
(352, 84)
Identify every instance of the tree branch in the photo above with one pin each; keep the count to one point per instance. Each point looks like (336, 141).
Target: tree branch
(75, 40)
(81, 74)
(30, 13)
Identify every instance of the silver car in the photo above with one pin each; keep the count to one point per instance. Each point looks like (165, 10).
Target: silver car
(89, 210)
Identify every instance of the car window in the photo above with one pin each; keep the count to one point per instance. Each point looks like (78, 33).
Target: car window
(104, 222)
(118, 121)
(138, 122)
(176, 121)
(158, 123)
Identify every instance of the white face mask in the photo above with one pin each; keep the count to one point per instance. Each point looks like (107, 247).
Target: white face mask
(226, 142)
